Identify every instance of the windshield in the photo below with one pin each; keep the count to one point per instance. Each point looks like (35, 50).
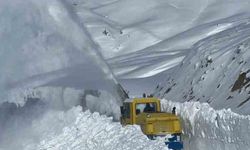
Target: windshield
(145, 107)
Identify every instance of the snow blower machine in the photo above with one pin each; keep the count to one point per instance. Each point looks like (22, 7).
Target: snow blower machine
(146, 112)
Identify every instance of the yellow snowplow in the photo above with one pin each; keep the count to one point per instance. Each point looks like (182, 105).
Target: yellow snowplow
(146, 112)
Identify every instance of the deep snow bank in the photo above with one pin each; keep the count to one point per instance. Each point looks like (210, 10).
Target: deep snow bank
(91, 132)
(20, 123)
(206, 128)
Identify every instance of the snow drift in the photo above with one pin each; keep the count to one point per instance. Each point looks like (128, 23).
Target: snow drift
(93, 132)
(205, 128)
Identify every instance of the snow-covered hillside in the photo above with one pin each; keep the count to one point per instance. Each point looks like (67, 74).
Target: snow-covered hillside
(127, 21)
(142, 40)
(216, 71)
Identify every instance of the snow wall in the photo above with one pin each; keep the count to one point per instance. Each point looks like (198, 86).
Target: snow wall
(92, 131)
(205, 128)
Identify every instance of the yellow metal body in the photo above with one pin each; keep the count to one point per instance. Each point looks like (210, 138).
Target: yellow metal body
(151, 123)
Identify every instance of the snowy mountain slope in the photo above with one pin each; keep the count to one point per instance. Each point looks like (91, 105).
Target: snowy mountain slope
(134, 34)
(216, 72)
(92, 132)
(157, 18)
(150, 65)
(127, 21)
(169, 52)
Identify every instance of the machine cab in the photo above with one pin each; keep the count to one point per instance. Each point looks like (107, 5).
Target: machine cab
(132, 108)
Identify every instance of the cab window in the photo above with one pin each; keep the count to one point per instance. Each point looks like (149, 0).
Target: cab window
(145, 107)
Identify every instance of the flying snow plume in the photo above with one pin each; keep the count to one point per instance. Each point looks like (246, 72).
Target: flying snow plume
(48, 63)
(43, 44)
